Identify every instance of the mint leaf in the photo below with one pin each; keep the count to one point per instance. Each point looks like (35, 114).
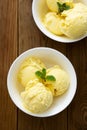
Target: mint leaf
(50, 78)
(62, 6)
(44, 72)
(42, 75)
(39, 74)
(66, 7)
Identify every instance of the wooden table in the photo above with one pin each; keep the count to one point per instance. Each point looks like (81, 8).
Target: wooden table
(19, 33)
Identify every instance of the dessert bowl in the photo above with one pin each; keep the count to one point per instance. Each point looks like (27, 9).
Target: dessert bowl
(39, 9)
(50, 57)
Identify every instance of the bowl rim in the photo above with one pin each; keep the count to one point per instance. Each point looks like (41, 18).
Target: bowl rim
(18, 58)
(48, 33)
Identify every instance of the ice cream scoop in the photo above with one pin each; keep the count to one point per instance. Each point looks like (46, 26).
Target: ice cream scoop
(62, 80)
(74, 23)
(27, 74)
(27, 70)
(52, 22)
(32, 61)
(37, 98)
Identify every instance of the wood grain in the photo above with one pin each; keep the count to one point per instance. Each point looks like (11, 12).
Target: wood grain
(77, 111)
(54, 123)
(8, 52)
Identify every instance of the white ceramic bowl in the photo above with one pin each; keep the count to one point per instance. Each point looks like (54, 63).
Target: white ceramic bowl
(37, 11)
(50, 57)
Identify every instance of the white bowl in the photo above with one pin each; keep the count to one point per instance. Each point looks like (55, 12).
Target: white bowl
(36, 11)
(50, 57)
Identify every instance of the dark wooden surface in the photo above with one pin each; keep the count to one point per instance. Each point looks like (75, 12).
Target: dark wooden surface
(19, 33)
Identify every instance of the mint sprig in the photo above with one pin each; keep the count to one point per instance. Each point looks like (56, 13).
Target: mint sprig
(62, 6)
(50, 78)
(42, 75)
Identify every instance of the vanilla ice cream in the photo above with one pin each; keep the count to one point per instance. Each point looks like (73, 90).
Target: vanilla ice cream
(27, 70)
(41, 84)
(37, 98)
(52, 22)
(71, 22)
(74, 24)
(62, 80)
(52, 4)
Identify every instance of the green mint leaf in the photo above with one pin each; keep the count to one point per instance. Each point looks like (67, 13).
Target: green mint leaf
(44, 72)
(42, 75)
(50, 78)
(39, 74)
(62, 7)
(66, 7)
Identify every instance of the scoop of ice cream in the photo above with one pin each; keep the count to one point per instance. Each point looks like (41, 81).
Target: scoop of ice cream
(74, 23)
(62, 81)
(31, 83)
(52, 22)
(27, 74)
(38, 98)
(28, 69)
(52, 4)
(32, 61)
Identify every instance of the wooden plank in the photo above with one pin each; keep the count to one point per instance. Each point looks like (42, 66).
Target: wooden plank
(77, 111)
(8, 52)
(29, 37)
(51, 123)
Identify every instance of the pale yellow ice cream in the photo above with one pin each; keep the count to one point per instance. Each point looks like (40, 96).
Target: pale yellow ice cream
(52, 4)
(71, 23)
(32, 61)
(28, 69)
(74, 24)
(62, 81)
(37, 95)
(37, 98)
(52, 22)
